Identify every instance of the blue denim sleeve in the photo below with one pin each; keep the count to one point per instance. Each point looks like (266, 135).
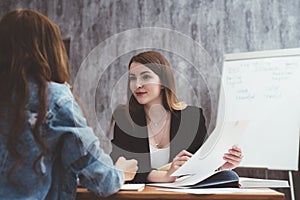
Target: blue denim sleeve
(81, 151)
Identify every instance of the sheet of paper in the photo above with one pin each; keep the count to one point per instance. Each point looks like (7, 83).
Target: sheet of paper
(129, 186)
(210, 155)
(220, 191)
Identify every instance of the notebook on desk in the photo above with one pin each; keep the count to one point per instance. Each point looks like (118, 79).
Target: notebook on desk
(221, 179)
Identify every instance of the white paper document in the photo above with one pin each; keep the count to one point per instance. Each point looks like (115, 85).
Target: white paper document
(210, 155)
(220, 191)
(136, 187)
(262, 183)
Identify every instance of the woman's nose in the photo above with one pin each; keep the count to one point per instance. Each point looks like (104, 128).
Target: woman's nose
(139, 83)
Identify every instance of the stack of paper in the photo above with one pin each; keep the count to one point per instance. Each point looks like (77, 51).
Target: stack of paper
(221, 191)
(262, 183)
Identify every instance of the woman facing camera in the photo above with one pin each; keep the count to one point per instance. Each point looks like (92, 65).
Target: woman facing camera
(154, 127)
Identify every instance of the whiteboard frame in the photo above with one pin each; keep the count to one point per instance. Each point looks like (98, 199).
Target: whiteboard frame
(262, 54)
(259, 55)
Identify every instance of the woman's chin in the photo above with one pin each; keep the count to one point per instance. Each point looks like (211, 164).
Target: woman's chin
(142, 102)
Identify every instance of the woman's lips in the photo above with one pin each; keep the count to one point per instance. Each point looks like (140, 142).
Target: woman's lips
(140, 93)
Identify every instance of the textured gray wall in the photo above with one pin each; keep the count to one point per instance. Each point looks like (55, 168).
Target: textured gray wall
(219, 26)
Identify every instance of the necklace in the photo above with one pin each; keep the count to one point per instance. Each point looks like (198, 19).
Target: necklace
(157, 122)
(160, 131)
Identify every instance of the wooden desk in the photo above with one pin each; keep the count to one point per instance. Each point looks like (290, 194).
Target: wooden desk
(152, 193)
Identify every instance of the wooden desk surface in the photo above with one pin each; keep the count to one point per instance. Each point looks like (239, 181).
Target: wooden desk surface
(152, 193)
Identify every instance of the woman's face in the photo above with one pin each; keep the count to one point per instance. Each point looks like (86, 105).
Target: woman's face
(144, 84)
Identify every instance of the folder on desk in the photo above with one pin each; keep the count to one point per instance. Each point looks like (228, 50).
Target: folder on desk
(218, 179)
(221, 179)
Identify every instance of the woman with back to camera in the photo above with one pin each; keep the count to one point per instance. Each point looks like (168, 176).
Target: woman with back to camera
(154, 127)
(45, 142)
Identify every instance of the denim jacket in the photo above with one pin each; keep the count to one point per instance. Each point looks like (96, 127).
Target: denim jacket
(73, 152)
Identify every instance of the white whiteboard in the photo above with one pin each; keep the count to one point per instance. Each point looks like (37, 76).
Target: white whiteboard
(264, 87)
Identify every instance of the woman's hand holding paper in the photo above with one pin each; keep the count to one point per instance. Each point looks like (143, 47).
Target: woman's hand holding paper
(178, 161)
(233, 158)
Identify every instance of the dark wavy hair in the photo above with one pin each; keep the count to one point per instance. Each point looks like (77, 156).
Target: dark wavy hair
(31, 47)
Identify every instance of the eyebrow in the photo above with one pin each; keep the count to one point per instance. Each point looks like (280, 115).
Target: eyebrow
(143, 72)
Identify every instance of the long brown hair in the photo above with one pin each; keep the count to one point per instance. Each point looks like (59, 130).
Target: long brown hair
(161, 67)
(31, 47)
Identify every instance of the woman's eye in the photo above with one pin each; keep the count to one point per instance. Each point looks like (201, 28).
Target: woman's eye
(132, 78)
(146, 77)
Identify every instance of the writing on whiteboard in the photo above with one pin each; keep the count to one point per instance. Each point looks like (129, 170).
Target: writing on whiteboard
(266, 92)
(273, 73)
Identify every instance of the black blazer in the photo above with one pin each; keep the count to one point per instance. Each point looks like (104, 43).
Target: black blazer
(187, 132)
